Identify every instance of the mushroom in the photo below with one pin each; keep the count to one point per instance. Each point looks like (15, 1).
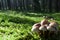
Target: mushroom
(53, 28)
(44, 22)
(35, 27)
(43, 28)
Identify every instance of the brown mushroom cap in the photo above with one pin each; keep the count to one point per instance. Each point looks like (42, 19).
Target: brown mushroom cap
(43, 28)
(53, 26)
(35, 27)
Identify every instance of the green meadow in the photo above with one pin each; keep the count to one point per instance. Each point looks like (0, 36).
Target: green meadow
(16, 25)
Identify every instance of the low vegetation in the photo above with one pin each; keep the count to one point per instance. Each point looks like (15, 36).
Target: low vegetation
(17, 25)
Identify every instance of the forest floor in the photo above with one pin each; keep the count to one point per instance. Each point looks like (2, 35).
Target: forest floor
(17, 25)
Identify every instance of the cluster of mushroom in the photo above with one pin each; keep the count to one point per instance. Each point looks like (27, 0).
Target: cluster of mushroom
(45, 27)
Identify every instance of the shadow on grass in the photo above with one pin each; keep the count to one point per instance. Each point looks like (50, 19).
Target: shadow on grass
(31, 14)
(27, 13)
(21, 20)
(34, 14)
(38, 14)
(56, 16)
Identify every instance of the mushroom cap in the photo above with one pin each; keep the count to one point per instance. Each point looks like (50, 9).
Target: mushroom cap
(49, 28)
(45, 21)
(53, 26)
(35, 27)
(43, 28)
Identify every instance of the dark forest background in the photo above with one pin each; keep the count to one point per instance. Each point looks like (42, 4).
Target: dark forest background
(31, 5)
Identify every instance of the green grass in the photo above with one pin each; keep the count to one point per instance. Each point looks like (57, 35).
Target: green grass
(17, 25)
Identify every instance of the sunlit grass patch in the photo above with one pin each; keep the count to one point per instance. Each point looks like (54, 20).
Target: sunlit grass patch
(17, 25)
